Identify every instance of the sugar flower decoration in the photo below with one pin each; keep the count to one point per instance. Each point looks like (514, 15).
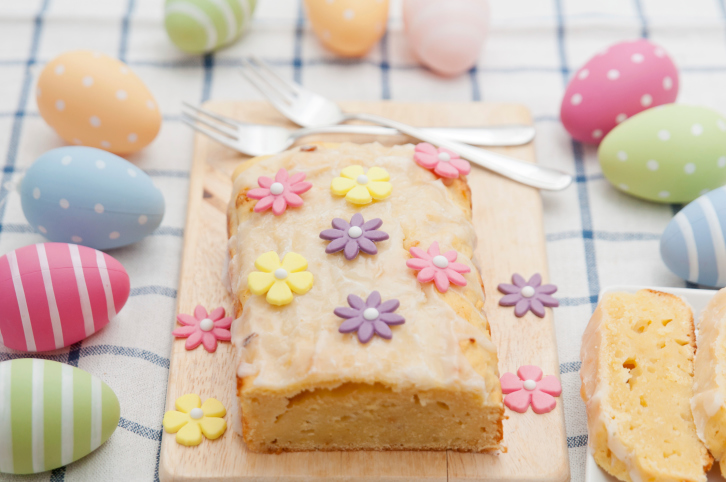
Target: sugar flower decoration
(279, 194)
(204, 328)
(280, 280)
(529, 388)
(360, 187)
(353, 237)
(528, 295)
(369, 317)
(441, 268)
(442, 161)
(192, 419)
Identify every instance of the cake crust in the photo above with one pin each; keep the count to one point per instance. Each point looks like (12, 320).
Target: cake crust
(305, 386)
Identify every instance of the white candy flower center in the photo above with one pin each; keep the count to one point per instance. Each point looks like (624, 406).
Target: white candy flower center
(444, 156)
(440, 261)
(206, 324)
(530, 385)
(370, 314)
(527, 292)
(362, 179)
(196, 413)
(277, 188)
(355, 232)
(280, 273)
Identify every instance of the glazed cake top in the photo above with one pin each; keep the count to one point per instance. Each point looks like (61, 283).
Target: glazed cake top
(296, 346)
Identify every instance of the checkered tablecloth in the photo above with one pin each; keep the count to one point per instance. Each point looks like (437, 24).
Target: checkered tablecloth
(595, 236)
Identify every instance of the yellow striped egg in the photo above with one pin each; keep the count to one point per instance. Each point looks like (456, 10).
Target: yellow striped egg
(199, 26)
(51, 414)
(91, 99)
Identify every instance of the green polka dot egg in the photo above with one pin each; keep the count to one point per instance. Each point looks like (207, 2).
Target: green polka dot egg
(200, 26)
(669, 154)
(51, 414)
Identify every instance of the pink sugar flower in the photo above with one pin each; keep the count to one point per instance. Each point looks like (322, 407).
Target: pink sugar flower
(203, 328)
(279, 194)
(442, 161)
(441, 268)
(529, 388)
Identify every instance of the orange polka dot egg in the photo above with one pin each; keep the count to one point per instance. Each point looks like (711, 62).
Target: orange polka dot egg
(91, 99)
(348, 27)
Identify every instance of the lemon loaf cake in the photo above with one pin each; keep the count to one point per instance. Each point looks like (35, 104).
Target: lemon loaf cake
(637, 382)
(709, 388)
(359, 321)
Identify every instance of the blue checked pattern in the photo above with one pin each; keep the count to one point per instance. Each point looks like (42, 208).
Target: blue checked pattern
(596, 236)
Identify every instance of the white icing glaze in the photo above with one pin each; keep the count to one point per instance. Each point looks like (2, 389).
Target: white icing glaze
(529, 385)
(527, 292)
(440, 261)
(196, 413)
(206, 324)
(277, 188)
(444, 156)
(355, 232)
(362, 179)
(280, 273)
(370, 314)
(299, 344)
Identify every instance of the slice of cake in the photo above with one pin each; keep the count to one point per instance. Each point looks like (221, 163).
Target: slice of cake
(637, 382)
(709, 388)
(342, 344)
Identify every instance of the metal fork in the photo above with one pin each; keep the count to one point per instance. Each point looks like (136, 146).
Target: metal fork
(261, 140)
(307, 108)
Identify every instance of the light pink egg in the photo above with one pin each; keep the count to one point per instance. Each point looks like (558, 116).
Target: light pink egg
(446, 36)
(623, 80)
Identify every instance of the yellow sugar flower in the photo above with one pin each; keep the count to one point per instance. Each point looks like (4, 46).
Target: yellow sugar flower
(360, 187)
(195, 418)
(279, 280)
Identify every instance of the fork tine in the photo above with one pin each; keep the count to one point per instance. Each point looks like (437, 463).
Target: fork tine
(226, 130)
(210, 133)
(227, 120)
(265, 68)
(279, 104)
(263, 79)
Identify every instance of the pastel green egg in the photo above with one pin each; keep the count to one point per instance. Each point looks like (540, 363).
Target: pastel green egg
(669, 154)
(199, 26)
(51, 414)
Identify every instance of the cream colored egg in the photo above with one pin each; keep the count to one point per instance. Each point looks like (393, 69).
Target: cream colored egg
(94, 100)
(348, 27)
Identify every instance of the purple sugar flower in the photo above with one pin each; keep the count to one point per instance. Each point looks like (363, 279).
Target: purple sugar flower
(354, 237)
(528, 295)
(369, 317)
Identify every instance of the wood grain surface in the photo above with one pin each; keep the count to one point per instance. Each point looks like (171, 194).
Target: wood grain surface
(508, 219)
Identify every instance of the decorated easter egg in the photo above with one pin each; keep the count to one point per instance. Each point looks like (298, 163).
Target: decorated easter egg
(52, 414)
(88, 196)
(198, 26)
(671, 154)
(92, 99)
(446, 36)
(348, 27)
(693, 244)
(55, 294)
(614, 85)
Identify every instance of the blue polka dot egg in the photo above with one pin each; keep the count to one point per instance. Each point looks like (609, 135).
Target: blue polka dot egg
(669, 154)
(88, 196)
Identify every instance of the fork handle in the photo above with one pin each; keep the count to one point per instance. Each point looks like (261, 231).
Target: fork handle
(510, 167)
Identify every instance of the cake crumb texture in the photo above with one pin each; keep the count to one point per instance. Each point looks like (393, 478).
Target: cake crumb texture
(637, 382)
(302, 384)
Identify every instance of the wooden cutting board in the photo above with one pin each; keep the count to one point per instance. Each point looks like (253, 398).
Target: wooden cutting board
(508, 219)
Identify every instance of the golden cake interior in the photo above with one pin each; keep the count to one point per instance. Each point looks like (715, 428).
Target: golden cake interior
(642, 348)
(305, 386)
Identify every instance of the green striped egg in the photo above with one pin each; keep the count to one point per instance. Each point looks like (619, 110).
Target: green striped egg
(669, 154)
(52, 414)
(198, 26)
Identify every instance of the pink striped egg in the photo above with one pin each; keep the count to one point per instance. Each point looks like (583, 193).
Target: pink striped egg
(55, 294)
(614, 85)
